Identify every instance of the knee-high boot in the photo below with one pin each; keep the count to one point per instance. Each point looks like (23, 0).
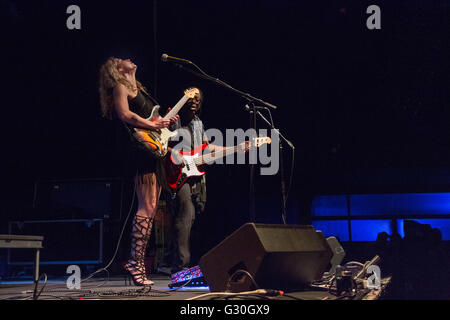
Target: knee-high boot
(140, 236)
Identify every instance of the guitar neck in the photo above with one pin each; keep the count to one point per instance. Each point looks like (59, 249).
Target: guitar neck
(212, 156)
(177, 107)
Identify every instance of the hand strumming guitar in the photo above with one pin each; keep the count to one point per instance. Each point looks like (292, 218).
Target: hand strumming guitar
(177, 159)
(163, 123)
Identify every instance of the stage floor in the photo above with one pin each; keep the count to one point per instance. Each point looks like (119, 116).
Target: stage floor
(98, 288)
(115, 288)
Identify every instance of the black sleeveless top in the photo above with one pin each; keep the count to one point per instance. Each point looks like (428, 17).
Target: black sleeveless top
(142, 104)
(142, 160)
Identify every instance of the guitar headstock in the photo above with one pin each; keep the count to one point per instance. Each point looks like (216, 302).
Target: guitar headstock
(190, 93)
(257, 142)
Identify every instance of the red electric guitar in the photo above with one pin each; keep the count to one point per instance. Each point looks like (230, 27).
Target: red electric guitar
(189, 164)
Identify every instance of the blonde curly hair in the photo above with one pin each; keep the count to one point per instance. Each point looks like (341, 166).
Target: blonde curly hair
(109, 78)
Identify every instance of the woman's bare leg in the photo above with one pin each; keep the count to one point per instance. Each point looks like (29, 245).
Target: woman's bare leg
(148, 192)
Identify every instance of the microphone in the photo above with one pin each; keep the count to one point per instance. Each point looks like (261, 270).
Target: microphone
(167, 58)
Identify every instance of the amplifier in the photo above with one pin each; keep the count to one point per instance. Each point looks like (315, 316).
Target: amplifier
(78, 199)
(78, 241)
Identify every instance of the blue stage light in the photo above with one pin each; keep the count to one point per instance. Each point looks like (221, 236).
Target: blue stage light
(368, 230)
(333, 228)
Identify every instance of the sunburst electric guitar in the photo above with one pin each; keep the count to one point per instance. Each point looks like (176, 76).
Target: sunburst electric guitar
(157, 140)
(183, 165)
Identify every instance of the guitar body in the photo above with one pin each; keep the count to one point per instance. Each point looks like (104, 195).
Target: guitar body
(156, 141)
(177, 174)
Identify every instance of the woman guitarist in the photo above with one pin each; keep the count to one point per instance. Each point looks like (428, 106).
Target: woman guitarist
(123, 97)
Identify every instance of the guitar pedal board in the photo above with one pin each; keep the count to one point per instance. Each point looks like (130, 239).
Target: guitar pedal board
(192, 277)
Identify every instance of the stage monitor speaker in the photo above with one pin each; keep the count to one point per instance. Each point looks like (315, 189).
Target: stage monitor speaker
(284, 257)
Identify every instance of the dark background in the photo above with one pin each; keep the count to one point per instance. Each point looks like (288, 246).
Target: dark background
(358, 104)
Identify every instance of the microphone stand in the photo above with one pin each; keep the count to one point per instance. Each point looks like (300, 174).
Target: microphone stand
(203, 75)
(252, 172)
(251, 100)
(283, 183)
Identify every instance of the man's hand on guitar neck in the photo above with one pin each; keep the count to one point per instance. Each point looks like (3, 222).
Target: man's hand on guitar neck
(244, 146)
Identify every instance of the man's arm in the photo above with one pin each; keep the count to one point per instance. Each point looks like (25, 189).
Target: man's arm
(214, 148)
(242, 147)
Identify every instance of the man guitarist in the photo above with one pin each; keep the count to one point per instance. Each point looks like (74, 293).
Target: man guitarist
(191, 197)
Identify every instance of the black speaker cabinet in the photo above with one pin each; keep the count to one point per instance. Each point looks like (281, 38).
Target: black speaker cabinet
(284, 257)
(78, 241)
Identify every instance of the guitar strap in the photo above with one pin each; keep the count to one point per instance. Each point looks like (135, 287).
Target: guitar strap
(150, 97)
